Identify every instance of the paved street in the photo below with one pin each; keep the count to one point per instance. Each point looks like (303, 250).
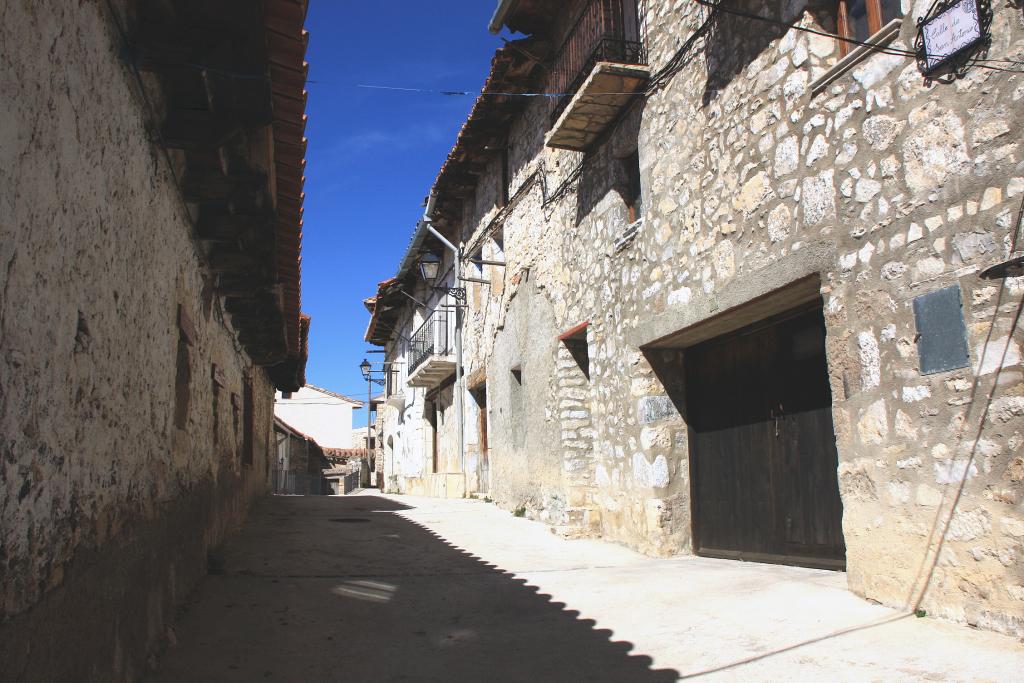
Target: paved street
(388, 588)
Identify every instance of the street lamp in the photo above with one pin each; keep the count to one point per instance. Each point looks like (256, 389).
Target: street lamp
(367, 371)
(430, 268)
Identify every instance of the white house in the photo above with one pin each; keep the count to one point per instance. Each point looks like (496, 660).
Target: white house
(319, 413)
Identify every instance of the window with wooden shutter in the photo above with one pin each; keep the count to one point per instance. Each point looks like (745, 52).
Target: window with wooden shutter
(861, 19)
(248, 422)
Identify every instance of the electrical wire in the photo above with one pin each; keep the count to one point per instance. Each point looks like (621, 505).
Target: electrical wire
(852, 41)
(980, 62)
(660, 78)
(676, 64)
(656, 79)
(482, 94)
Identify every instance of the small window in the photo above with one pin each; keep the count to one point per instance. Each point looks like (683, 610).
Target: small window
(479, 395)
(286, 395)
(575, 341)
(496, 274)
(216, 415)
(476, 268)
(498, 250)
(248, 423)
(631, 189)
(506, 178)
(430, 412)
(861, 19)
(182, 383)
(517, 407)
(183, 368)
(236, 413)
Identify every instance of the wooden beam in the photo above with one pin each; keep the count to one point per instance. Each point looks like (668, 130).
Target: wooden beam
(197, 129)
(234, 228)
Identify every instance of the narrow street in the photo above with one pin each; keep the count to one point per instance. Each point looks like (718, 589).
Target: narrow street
(387, 588)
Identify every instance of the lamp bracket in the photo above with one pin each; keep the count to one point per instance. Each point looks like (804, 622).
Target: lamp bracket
(457, 293)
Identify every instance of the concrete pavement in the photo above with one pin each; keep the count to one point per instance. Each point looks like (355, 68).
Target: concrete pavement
(389, 588)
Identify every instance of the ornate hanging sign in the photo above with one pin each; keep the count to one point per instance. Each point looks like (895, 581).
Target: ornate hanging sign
(950, 35)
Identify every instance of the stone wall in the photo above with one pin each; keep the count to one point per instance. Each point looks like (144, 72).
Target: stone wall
(108, 510)
(879, 185)
(525, 465)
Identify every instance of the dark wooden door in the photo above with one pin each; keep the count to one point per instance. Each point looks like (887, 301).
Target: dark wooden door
(431, 415)
(763, 450)
(483, 464)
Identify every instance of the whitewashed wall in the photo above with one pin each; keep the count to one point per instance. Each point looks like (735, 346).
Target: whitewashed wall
(318, 414)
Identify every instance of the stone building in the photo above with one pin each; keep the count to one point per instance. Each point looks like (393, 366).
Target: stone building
(151, 169)
(741, 312)
(417, 416)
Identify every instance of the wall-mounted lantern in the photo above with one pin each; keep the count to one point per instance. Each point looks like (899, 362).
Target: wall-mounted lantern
(430, 268)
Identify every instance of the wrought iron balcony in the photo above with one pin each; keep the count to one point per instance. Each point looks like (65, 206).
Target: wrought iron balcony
(605, 31)
(431, 350)
(601, 68)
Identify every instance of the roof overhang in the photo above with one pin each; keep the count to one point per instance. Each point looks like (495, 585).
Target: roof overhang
(600, 101)
(515, 69)
(230, 76)
(524, 16)
(385, 311)
(500, 12)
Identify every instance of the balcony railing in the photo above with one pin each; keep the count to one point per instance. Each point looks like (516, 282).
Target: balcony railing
(433, 338)
(605, 31)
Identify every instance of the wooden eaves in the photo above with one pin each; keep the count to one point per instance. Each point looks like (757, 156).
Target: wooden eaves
(230, 79)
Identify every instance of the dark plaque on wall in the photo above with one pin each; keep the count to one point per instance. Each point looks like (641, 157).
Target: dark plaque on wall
(941, 331)
(952, 34)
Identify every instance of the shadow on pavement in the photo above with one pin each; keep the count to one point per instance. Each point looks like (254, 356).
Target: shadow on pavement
(335, 588)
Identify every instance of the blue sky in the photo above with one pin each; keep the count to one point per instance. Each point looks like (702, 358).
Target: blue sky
(374, 154)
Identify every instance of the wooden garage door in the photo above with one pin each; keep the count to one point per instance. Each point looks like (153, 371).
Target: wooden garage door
(763, 452)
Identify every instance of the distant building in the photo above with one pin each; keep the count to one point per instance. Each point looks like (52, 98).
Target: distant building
(300, 464)
(323, 415)
(359, 437)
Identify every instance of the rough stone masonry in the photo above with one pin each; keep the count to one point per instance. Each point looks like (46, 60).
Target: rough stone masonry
(135, 422)
(767, 169)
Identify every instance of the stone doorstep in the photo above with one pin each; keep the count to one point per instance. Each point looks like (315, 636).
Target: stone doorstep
(573, 533)
(583, 522)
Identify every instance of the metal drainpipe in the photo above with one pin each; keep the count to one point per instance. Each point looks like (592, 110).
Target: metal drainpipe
(459, 416)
